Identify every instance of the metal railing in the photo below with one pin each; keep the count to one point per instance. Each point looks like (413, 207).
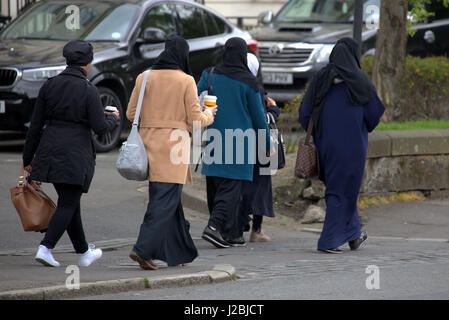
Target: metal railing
(240, 21)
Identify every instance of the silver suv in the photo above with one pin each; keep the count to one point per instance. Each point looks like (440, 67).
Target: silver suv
(297, 41)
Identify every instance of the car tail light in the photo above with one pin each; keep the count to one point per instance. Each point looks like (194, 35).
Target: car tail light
(252, 45)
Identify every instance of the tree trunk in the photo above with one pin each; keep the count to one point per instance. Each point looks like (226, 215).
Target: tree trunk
(389, 59)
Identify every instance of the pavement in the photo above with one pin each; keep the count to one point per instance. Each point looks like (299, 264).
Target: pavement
(400, 234)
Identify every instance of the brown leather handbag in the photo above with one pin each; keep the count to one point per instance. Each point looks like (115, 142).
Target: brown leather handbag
(34, 207)
(307, 161)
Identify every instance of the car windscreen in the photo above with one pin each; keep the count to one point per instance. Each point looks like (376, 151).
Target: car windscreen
(58, 20)
(322, 11)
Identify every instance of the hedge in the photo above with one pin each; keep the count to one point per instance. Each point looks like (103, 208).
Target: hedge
(424, 89)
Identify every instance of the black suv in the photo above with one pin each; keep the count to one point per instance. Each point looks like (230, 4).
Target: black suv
(127, 36)
(297, 41)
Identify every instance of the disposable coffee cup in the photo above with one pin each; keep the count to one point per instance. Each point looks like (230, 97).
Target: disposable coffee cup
(210, 101)
(110, 109)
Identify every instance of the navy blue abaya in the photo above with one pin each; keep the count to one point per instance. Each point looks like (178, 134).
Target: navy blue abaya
(342, 149)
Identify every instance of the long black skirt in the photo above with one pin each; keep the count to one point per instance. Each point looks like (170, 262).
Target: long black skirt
(256, 199)
(164, 234)
(257, 195)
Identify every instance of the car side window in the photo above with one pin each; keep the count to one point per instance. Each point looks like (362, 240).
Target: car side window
(221, 25)
(191, 20)
(160, 17)
(211, 25)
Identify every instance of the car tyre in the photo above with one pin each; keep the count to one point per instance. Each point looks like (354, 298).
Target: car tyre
(108, 141)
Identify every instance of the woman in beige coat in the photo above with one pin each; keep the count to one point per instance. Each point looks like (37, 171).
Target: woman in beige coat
(169, 109)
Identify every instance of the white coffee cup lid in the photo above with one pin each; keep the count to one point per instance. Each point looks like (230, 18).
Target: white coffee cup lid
(210, 98)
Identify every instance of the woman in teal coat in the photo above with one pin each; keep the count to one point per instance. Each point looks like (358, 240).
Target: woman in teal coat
(231, 151)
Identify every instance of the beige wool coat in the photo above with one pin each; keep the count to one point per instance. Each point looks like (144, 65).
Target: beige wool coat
(170, 103)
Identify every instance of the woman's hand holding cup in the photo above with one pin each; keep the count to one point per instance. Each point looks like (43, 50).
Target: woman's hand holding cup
(112, 110)
(210, 102)
(213, 110)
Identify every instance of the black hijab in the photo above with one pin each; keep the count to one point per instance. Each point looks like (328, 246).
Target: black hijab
(235, 63)
(344, 64)
(175, 56)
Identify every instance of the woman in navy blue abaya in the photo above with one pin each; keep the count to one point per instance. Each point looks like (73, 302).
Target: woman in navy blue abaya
(344, 107)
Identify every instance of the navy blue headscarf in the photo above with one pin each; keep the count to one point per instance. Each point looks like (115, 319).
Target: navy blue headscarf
(344, 64)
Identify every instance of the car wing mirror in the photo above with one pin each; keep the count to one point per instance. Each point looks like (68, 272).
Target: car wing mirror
(265, 17)
(153, 35)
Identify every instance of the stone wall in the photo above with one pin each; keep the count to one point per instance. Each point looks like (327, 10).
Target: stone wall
(407, 161)
(397, 162)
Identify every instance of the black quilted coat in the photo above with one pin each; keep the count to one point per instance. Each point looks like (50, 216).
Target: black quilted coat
(68, 107)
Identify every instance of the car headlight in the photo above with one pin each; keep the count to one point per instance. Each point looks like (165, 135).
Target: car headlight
(40, 74)
(323, 53)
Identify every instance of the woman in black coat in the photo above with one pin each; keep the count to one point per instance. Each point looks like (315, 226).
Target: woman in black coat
(257, 196)
(59, 148)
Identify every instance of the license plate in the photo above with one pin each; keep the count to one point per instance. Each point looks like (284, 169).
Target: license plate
(277, 78)
(2, 106)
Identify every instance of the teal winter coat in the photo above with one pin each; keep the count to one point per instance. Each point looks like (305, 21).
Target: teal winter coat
(231, 148)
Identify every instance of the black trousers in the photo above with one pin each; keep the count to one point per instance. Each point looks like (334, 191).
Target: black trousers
(223, 201)
(67, 217)
(257, 222)
(164, 234)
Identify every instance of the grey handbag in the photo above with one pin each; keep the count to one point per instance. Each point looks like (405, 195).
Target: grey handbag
(132, 162)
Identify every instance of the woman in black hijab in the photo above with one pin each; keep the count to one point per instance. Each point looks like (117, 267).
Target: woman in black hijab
(241, 109)
(175, 56)
(235, 63)
(170, 106)
(343, 105)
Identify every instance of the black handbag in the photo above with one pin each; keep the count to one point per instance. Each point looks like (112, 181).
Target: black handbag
(278, 140)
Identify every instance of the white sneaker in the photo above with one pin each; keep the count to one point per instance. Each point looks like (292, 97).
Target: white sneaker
(90, 256)
(45, 257)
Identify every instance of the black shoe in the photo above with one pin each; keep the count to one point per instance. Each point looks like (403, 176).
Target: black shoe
(213, 236)
(237, 242)
(334, 250)
(355, 244)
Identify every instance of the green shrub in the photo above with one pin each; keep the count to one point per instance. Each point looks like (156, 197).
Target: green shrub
(424, 88)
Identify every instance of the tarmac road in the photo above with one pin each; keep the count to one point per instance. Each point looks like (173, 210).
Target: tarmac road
(408, 243)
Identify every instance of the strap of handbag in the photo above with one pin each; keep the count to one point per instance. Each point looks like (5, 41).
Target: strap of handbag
(141, 94)
(209, 81)
(271, 120)
(309, 131)
(24, 180)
